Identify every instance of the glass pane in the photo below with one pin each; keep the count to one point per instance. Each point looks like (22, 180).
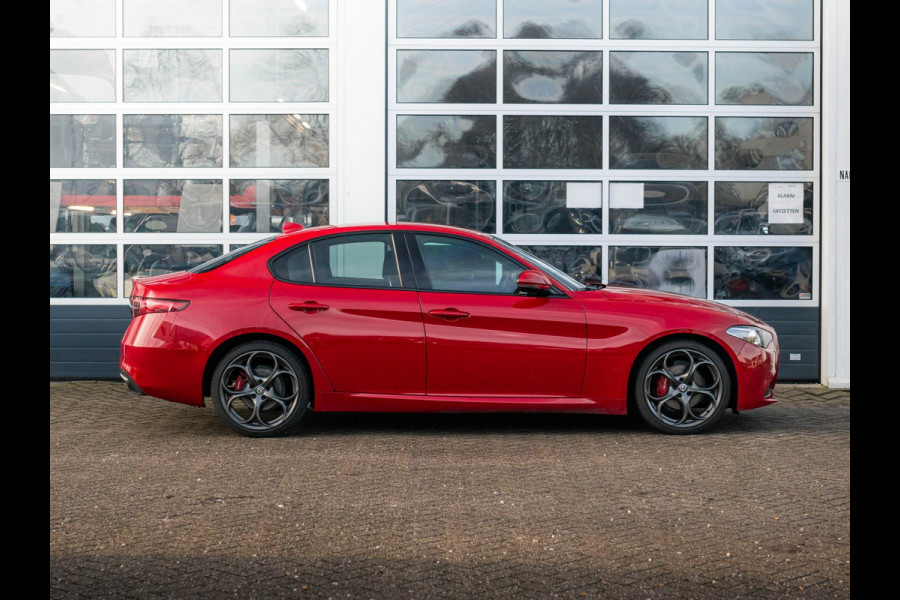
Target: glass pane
(743, 208)
(264, 205)
(272, 18)
(552, 207)
(83, 271)
(658, 77)
(172, 206)
(82, 141)
(465, 76)
(763, 143)
(677, 270)
(279, 75)
(654, 20)
(763, 273)
(764, 20)
(365, 260)
(173, 140)
(295, 266)
(147, 260)
(173, 18)
(457, 265)
(552, 142)
(446, 141)
(539, 76)
(173, 75)
(658, 142)
(82, 18)
(83, 205)
(783, 78)
(658, 207)
(82, 76)
(577, 261)
(279, 140)
(447, 18)
(467, 204)
(542, 19)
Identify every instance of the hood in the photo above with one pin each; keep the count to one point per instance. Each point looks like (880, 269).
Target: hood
(630, 294)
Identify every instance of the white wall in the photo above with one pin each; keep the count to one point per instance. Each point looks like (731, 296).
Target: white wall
(836, 194)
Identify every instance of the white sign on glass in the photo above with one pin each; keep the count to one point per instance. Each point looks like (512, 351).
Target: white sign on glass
(626, 195)
(785, 203)
(584, 195)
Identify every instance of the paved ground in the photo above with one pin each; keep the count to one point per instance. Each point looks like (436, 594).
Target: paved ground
(150, 499)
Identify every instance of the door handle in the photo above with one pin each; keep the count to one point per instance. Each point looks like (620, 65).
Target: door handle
(451, 314)
(310, 306)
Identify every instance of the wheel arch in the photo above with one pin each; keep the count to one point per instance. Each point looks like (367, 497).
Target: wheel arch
(231, 343)
(711, 343)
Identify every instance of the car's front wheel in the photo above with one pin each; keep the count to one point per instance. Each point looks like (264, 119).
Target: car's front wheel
(260, 389)
(682, 386)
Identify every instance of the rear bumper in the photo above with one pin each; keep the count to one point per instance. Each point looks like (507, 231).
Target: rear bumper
(129, 382)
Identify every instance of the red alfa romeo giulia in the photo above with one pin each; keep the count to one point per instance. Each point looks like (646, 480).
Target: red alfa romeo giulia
(421, 318)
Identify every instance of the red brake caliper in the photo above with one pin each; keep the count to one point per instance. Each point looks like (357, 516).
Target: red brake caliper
(239, 382)
(662, 386)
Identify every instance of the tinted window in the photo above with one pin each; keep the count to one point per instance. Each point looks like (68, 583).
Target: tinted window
(366, 260)
(294, 266)
(461, 266)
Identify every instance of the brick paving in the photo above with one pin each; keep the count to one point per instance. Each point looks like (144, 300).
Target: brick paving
(150, 499)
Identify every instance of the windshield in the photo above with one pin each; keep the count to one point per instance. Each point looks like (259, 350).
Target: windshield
(226, 258)
(567, 281)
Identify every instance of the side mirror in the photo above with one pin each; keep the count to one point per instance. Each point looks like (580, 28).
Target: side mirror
(533, 283)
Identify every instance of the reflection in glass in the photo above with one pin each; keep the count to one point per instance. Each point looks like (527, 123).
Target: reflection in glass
(552, 142)
(658, 77)
(273, 18)
(541, 19)
(82, 141)
(173, 140)
(669, 208)
(443, 19)
(148, 260)
(446, 141)
(658, 142)
(763, 143)
(468, 204)
(83, 271)
(173, 18)
(531, 76)
(83, 205)
(764, 20)
(465, 76)
(547, 207)
(676, 270)
(763, 273)
(264, 205)
(742, 208)
(654, 20)
(292, 140)
(577, 261)
(173, 75)
(279, 75)
(82, 76)
(783, 78)
(82, 18)
(172, 206)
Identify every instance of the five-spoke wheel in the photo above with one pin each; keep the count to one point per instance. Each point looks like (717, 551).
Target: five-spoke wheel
(682, 387)
(260, 389)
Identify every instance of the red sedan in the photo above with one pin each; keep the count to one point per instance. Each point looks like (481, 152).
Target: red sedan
(421, 318)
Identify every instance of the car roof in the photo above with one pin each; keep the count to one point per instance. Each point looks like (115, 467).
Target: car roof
(312, 232)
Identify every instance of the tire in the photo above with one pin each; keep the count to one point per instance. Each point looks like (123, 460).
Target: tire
(260, 389)
(682, 387)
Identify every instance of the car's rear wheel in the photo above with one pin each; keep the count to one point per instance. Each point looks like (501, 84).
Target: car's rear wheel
(682, 386)
(260, 389)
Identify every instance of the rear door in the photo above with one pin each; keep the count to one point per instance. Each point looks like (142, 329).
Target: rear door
(352, 299)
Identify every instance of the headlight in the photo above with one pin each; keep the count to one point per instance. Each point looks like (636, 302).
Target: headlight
(755, 335)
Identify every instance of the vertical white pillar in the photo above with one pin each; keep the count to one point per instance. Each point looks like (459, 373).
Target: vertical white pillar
(836, 193)
(360, 120)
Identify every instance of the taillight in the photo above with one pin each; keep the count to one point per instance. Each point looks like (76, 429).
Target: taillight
(141, 305)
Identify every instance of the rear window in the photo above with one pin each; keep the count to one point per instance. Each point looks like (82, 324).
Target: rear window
(217, 262)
